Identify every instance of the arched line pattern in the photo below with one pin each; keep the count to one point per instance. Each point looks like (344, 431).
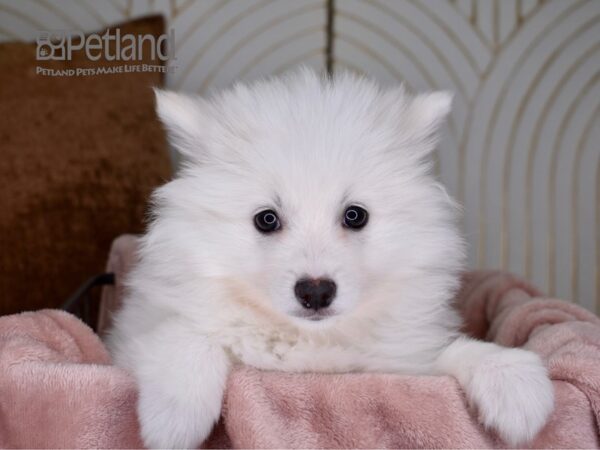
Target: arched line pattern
(92, 12)
(458, 82)
(354, 68)
(575, 243)
(252, 36)
(62, 15)
(226, 27)
(466, 133)
(277, 45)
(422, 6)
(373, 54)
(177, 11)
(467, 15)
(124, 11)
(530, 166)
(303, 57)
(455, 39)
(522, 12)
(488, 134)
(507, 168)
(23, 17)
(392, 70)
(520, 19)
(551, 238)
(394, 42)
(205, 16)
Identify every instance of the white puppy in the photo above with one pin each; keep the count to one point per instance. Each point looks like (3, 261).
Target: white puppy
(305, 233)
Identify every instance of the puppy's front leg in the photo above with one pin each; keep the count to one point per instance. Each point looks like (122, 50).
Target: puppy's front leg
(509, 386)
(181, 377)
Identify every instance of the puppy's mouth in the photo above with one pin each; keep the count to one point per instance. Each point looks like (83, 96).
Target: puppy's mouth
(315, 316)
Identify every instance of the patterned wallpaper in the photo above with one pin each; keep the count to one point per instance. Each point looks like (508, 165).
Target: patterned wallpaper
(522, 147)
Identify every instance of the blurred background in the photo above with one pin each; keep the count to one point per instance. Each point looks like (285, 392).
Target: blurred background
(521, 150)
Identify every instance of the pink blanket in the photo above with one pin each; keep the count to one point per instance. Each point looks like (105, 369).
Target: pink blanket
(58, 389)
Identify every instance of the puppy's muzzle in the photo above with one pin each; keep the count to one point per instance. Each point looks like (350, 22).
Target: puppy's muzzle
(315, 293)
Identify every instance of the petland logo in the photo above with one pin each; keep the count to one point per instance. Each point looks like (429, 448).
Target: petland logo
(59, 45)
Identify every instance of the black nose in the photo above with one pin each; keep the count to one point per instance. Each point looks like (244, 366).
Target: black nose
(315, 293)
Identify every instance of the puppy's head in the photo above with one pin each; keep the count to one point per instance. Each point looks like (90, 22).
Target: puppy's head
(313, 194)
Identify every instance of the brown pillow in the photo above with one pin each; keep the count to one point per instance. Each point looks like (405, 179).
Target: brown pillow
(79, 157)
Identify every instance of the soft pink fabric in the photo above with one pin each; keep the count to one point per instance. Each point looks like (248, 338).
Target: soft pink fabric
(58, 389)
(265, 409)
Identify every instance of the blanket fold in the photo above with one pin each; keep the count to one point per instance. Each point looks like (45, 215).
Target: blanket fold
(58, 388)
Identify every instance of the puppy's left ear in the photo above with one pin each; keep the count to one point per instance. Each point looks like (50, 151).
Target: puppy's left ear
(424, 116)
(184, 119)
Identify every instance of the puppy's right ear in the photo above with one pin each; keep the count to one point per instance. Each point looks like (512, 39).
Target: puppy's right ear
(183, 117)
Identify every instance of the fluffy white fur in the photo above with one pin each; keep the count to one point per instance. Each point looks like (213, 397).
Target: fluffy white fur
(211, 291)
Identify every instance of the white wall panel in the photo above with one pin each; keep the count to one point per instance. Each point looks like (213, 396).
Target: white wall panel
(217, 41)
(522, 147)
(523, 152)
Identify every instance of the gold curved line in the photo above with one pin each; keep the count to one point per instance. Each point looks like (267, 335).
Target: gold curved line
(466, 133)
(474, 27)
(200, 21)
(420, 5)
(429, 44)
(575, 203)
(284, 67)
(411, 56)
(23, 17)
(278, 44)
(60, 14)
(522, 15)
(387, 37)
(551, 237)
(253, 35)
(215, 37)
(84, 4)
(495, 111)
(507, 168)
(522, 19)
(392, 70)
(177, 11)
(450, 33)
(463, 13)
(528, 179)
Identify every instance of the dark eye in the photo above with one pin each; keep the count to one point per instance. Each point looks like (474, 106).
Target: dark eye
(267, 221)
(355, 217)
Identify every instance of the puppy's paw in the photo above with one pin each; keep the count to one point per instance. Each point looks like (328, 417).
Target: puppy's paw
(173, 423)
(513, 394)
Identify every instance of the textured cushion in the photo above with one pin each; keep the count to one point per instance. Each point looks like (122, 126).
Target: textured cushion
(79, 157)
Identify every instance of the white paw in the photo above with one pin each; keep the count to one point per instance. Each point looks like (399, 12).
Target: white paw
(512, 393)
(168, 422)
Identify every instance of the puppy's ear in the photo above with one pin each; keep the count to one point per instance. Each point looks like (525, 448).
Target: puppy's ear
(183, 117)
(424, 116)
